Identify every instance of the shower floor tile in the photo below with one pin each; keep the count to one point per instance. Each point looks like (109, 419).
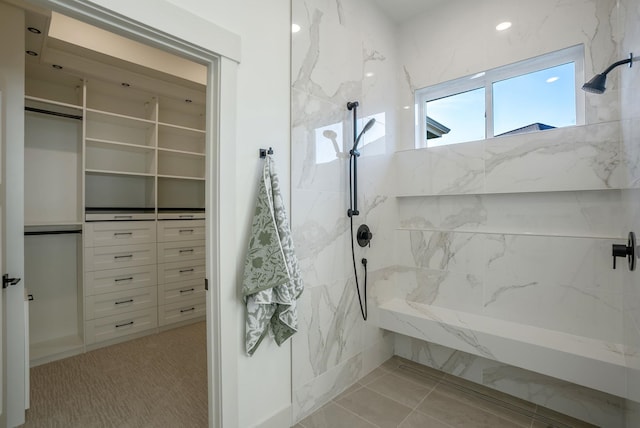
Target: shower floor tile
(401, 393)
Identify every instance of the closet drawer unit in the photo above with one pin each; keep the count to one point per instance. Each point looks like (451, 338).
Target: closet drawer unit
(105, 305)
(110, 280)
(107, 328)
(180, 230)
(183, 291)
(120, 256)
(119, 233)
(181, 311)
(181, 271)
(169, 252)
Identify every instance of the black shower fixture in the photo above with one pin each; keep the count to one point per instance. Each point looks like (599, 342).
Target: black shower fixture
(596, 84)
(364, 233)
(353, 159)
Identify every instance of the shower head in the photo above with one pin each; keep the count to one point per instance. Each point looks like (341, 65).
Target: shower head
(596, 84)
(367, 127)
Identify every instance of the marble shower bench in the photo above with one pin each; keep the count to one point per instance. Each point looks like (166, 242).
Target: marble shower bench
(580, 360)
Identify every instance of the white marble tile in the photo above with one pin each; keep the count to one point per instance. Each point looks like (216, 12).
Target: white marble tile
(446, 251)
(591, 363)
(314, 394)
(630, 132)
(413, 172)
(632, 354)
(465, 212)
(580, 213)
(576, 158)
(582, 403)
(564, 284)
(452, 290)
(319, 149)
(321, 232)
(457, 169)
(330, 330)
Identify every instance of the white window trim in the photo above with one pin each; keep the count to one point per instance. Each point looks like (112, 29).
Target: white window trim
(573, 54)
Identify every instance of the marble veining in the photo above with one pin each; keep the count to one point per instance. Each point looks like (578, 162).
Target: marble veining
(494, 297)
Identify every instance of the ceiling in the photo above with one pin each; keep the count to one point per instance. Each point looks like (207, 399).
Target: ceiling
(401, 10)
(84, 51)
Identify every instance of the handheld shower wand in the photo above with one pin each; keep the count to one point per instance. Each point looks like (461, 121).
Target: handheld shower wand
(364, 234)
(353, 180)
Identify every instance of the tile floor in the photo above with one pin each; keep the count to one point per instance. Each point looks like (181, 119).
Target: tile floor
(401, 393)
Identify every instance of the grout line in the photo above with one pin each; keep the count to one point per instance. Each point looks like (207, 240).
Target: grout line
(496, 401)
(356, 414)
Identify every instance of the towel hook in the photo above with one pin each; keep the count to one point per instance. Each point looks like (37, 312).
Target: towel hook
(265, 152)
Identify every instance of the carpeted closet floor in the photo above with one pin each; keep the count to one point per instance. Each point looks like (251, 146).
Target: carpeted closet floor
(155, 381)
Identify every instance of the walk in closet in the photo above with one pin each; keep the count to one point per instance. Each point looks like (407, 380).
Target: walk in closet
(114, 198)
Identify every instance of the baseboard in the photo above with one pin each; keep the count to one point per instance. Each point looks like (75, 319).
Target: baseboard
(280, 419)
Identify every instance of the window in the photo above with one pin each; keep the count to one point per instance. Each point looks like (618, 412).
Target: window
(531, 95)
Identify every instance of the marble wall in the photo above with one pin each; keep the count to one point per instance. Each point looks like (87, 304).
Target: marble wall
(518, 228)
(629, 15)
(344, 52)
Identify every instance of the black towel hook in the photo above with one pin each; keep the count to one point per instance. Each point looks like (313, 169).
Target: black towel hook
(265, 152)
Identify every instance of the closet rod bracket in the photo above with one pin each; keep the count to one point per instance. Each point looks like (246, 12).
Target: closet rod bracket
(7, 282)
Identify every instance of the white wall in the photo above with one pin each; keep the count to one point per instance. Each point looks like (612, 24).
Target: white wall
(264, 380)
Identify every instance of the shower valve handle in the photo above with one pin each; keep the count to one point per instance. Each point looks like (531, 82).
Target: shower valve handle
(628, 251)
(364, 236)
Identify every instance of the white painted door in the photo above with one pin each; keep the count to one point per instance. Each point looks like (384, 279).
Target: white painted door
(12, 231)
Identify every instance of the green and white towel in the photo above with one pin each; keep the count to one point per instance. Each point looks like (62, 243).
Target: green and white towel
(272, 281)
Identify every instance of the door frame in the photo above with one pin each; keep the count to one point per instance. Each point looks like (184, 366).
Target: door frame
(219, 50)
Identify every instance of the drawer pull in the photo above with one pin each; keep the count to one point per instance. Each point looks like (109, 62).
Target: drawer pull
(124, 279)
(122, 233)
(187, 290)
(186, 231)
(187, 310)
(128, 256)
(124, 301)
(122, 216)
(186, 270)
(186, 216)
(190, 250)
(125, 324)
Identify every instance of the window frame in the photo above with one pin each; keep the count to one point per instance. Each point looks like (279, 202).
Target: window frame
(486, 79)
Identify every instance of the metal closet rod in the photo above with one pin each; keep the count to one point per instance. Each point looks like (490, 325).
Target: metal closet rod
(53, 113)
(52, 232)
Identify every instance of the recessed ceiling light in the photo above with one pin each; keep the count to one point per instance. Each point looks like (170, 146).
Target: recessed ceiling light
(32, 53)
(369, 74)
(125, 84)
(295, 28)
(552, 79)
(56, 66)
(34, 30)
(503, 26)
(406, 107)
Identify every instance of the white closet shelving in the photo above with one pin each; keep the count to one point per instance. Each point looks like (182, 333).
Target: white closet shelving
(53, 215)
(111, 153)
